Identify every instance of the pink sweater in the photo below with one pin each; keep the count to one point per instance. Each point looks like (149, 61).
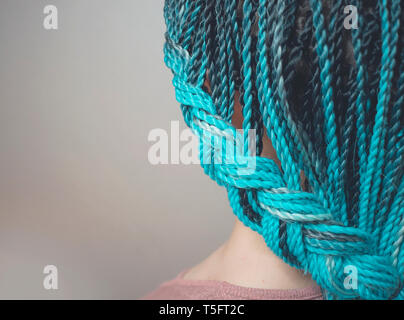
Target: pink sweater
(184, 289)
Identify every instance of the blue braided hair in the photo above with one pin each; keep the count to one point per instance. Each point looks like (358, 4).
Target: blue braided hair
(330, 100)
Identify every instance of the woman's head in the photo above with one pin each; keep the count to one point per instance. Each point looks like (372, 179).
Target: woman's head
(330, 102)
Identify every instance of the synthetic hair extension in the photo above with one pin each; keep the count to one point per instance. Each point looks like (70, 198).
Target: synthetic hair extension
(330, 100)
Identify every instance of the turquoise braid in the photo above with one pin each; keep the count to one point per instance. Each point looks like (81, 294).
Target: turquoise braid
(338, 121)
(395, 18)
(247, 86)
(392, 153)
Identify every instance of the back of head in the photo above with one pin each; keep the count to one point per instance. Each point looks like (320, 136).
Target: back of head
(330, 97)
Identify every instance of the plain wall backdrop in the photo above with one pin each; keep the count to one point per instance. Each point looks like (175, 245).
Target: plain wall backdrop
(76, 188)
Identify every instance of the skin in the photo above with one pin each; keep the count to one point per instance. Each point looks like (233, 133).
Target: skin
(245, 259)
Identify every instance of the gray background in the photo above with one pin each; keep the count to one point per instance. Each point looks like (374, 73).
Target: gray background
(76, 188)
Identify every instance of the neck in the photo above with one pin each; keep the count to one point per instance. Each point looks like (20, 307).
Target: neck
(248, 261)
(245, 260)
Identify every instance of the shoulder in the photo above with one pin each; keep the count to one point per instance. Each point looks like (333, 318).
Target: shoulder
(180, 288)
(186, 289)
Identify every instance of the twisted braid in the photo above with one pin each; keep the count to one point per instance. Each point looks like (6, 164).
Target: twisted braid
(339, 121)
(230, 7)
(348, 153)
(377, 181)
